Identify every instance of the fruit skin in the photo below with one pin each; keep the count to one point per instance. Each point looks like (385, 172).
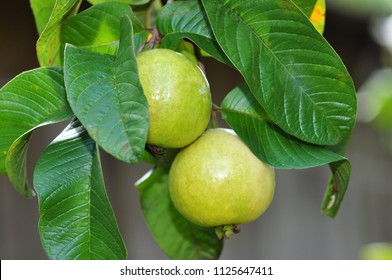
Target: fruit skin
(178, 97)
(218, 181)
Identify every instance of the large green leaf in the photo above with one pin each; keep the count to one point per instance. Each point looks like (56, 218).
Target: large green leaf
(292, 71)
(42, 9)
(49, 43)
(76, 218)
(187, 19)
(130, 2)
(98, 28)
(105, 93)
(178, 238)
(266, 140)
(32, 99)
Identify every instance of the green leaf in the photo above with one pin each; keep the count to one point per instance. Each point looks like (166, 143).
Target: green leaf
(98, 28)
(187, 19)
(306, 6)
(265, 139)
(106, 96)
(292, 71)
(76, 218)
(177, 237)
(16, 165)
(32, 99)
(42, 9)
(49, 43)
(337, 187)
(130, 2)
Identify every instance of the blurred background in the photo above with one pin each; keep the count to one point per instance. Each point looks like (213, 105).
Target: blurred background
(293, 227)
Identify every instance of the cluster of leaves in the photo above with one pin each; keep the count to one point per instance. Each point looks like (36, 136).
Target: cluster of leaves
(296, 109)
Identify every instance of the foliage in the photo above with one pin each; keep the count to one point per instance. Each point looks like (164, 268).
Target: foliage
(296, 107)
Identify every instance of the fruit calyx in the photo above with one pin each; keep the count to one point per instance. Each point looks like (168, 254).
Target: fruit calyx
(155, 151)
(226, 231)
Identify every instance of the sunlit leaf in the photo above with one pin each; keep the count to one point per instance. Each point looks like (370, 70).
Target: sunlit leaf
(32, 99)
(105, 94)
(98, 28)
(42, 9)
(76, 218)
(49, 43)
(292, 71)
(318, 16)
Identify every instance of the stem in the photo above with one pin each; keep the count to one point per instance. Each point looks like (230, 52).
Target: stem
(216, 108)
(155, 39)
(214, 121)
(155, 150)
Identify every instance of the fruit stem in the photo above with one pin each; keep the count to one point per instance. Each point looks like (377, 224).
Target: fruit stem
(155, 39)
(216, 108)
(155, 150)
(214, 121)
(214, 111)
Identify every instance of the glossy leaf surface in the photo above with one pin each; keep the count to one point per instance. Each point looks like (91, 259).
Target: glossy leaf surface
(266, 140)
(306, 6)
(32, 99)
(105, 94)
(292, 71)
(187, 19)
(42, 9)
(76, 218)
(98, 28)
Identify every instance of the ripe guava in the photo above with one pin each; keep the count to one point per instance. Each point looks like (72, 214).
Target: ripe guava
(178, 97)
(217, 181)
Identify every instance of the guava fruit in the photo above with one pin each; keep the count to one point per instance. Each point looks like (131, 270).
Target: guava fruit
(218, 182)
(178, 96)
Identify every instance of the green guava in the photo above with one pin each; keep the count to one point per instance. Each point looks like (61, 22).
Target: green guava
(178, 97)
(217, 181)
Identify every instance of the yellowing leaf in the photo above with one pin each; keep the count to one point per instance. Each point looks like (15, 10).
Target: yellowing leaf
(318, 16)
